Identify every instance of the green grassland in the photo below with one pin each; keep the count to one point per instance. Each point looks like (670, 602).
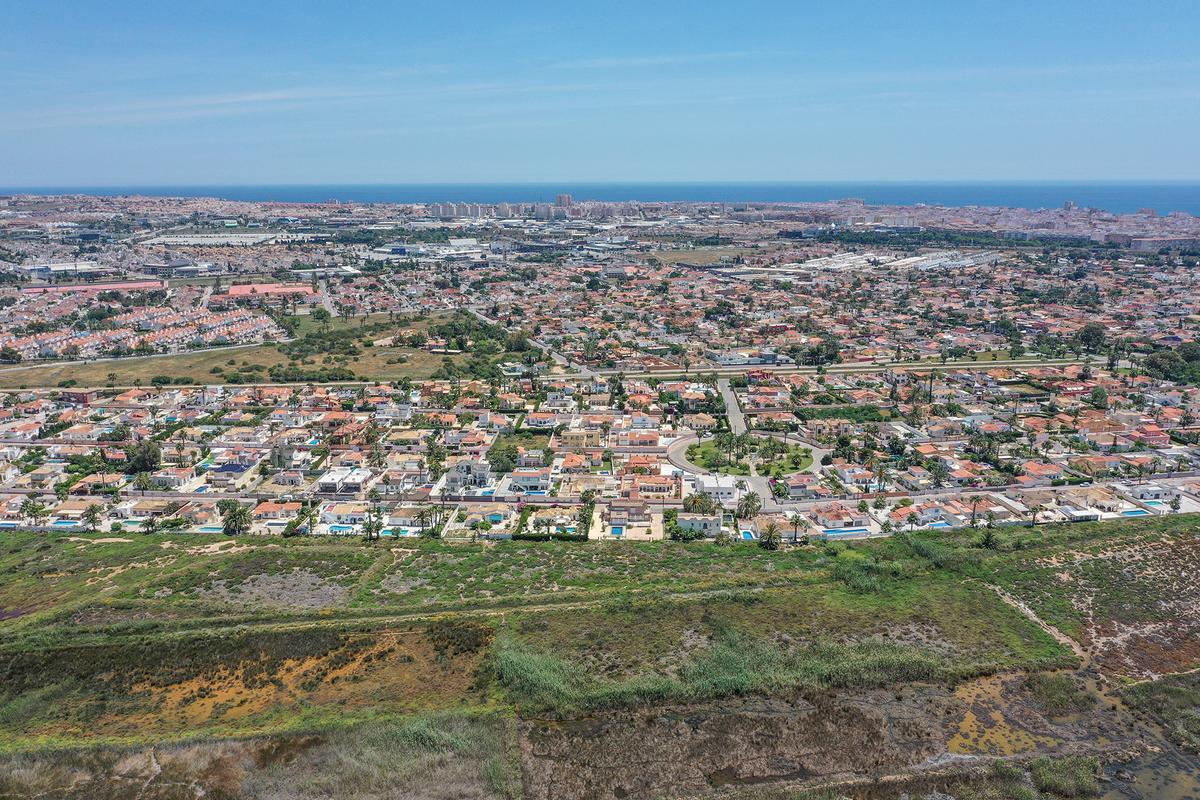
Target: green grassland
(251, 364)
(122, 641)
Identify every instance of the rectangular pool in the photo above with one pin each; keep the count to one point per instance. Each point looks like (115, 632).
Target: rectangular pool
(617, 530)
(341, 528)
(1135, 512)
(845, 531)
(747, 535)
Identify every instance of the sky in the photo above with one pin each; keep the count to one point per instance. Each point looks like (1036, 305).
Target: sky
(167, 93)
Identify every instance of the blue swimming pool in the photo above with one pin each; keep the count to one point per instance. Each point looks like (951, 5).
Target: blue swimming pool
(617, 530)
(747, 535)
(488, 492)
(845, 531)
(1155, 503)
(536, 491)
(211, 528)
(341, 528)
(941, 523)
(1135, 512)
(65, 523)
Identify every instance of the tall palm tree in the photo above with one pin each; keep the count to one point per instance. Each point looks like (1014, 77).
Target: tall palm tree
(237, 521)
(768, 538)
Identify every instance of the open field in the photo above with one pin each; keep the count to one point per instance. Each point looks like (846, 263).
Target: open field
(1126, 593)
(248, 364)
(119, 642)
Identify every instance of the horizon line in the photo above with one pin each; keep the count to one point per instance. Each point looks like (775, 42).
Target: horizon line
(610, 182)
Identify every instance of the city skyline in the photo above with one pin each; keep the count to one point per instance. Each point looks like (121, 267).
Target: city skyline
(282, 94)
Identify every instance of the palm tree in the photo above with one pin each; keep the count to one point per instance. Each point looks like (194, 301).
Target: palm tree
(768, 537)
(795, 528)
(91, 517)
(142, 482)
(749, 506)
(424, 517)
(237, 520)
(34, 510)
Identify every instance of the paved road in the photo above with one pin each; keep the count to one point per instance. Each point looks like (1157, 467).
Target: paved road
(896, 366)
(733, 411)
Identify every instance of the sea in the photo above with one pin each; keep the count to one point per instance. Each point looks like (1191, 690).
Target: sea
(1116, 197)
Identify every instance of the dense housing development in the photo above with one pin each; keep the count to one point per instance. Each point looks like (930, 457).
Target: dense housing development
(596, 466)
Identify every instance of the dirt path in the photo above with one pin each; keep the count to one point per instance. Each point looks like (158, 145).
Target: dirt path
(1032, 616)
(388, 620)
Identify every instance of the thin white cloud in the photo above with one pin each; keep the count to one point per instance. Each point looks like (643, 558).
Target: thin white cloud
(180, 108)
(662, 60)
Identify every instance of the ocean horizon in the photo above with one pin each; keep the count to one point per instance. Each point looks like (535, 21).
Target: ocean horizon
(1114, 196)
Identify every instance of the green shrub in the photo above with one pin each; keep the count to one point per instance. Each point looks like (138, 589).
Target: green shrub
(1058, 693)
(1070, 776)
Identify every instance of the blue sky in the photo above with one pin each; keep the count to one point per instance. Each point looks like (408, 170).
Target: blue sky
(298, 92)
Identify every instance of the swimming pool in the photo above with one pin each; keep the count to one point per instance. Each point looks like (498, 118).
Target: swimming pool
(536, 491)
(1155, 503)
(617, 530)
(65, 523)
(212, 528)
(341, 528)
(941, 523)
(1135, 512)
(844, 531)
(747, 535)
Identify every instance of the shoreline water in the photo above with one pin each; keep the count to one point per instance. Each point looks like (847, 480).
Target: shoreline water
(1115, 197)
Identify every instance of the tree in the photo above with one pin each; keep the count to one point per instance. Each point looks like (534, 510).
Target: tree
(374, 522)
(1091, 337)
(768, 537)
(749, 506)
(145, 456)
(237, 520)
(322, 317)
(699, 503)
(91, 517)
(975, 501)
(142, 482)
(1176, 503)
(1099, 397)
(34, 510)
(989, 541)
